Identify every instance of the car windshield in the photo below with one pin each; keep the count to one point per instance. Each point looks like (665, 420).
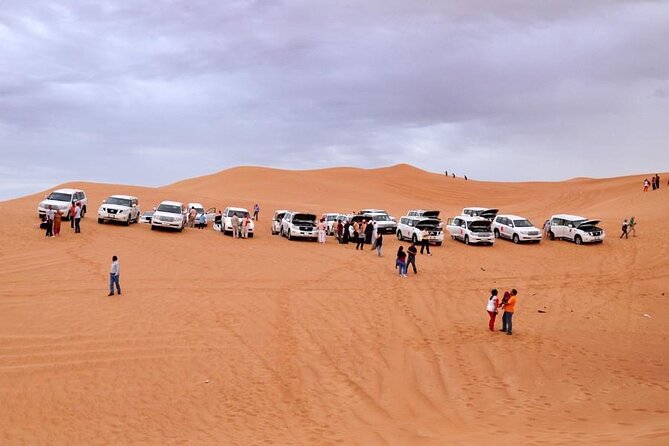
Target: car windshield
(578, 223)
(279, 216)
(119, 201)
(60, 196)
(170, 208)
(380, 218)
(240, 214)
(479, 226)
(199, 210)
(522, 223)
(331, 218)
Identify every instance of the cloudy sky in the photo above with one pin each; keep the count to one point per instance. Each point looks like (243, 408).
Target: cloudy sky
(150, 92)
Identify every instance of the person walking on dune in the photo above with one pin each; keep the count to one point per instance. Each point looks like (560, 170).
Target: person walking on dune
(509, 309)
(114, 277)
(631, 227)
(256, 211)
(378, 244)
(412, 251)
(57, 220)
(493, 303)
(400, 262)
(624, 229)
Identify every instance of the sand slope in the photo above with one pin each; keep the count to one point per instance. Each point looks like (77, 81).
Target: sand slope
(266, 341)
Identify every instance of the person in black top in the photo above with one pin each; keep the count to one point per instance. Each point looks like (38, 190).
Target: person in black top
(412, 257)
(345, 236)
(378, 244)
(369, 229)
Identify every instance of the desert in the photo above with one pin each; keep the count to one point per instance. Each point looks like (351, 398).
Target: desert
(217, 340)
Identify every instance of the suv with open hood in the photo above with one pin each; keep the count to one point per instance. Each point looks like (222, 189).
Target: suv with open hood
(471, 229)
(299, 225)
(62, 200)
(575, 228)
(411, 228)
(487, 213)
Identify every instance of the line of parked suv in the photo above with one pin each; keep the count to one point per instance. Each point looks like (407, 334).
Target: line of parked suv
(475, 225)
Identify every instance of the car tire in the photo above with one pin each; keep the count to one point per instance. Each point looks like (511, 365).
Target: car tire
(551, 236)
(438, 243)
(578, 240)
(153, 228)
(100, 221)
(290, 237)
(414, 239)
(516, 240)
(127, 222)
(399, 235)
(466, 240)
(496, 232)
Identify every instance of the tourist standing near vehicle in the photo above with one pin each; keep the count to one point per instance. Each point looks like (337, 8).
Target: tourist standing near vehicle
(201, 221)
(192, 215)
(57, 219)
(425, 241)
(340, 231)
(321, 230)
(412, 257)
(624, 229)
(547, 227)
(234, 221)
(369, 231)
(49, 215)
(114, 277)
(256, 211)
(77, 218)
(400, 262)
(375, 233)
(631, 227)
(378, 244)
(493, 303)
(246, 221)
(346, 232)
(509, 309)
(73, 210)
(360, 237)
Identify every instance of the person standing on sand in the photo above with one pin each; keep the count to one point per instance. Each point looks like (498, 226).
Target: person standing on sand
(509, 309)
(73, 210)
(646, 183)
(49, 216)
(114, 277)
(412, 251)
(657, 180)
(493, 303)
(360, 237)
(57, 219)
(369, 231)
(503, 302)
(425, 241)
(631, 226)
(375, 234)
(624, 229)
(246, 222)
(321, 230)
(400, 262)
(256, 211)
(547, 227)
(345, 232)
(378, 244)
(77, 218)
(234, 221)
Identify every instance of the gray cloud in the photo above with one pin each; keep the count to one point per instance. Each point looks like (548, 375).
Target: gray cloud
(507, 90)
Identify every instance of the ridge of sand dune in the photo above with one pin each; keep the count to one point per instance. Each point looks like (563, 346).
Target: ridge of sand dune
(266, 341)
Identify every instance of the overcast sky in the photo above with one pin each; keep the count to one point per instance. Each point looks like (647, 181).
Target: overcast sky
(151, 92)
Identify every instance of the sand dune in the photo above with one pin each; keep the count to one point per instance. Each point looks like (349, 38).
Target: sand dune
(266, 341)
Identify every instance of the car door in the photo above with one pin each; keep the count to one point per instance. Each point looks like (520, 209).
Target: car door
(453, 226)
(135, 211)
(210, 214)
(557, 227)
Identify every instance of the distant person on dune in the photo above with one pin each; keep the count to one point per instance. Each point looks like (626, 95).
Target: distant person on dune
(465, 177)
(624, 229)
(57, 219)
(114, 277)
(646, 183)
(400, 262)
(321, 230)
(493, 303)
(631, 227)
(446, 172)
(256, 211)
(453, 174)
(509, 309)
(378, 244)
(657, 181)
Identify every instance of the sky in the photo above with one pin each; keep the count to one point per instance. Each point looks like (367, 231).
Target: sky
(152, 92)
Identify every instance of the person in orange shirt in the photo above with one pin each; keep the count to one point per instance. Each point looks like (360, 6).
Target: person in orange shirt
(509, 308)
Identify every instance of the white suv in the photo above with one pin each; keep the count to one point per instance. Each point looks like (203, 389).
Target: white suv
(123, 208)
(226, 220)
(411, 228)
(376, 211)
(62, 200)
(331, 219)
(575, 228)
(199, 208)
(169, 214)
(518, 229)
(487, 213)
(299, 224)
(276, 220)
(383, 222)
(471, 229)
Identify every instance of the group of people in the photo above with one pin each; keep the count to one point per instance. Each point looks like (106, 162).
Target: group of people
(654, 183)
(507, 304)
(240, 225)
(453, 174)
(196, 220)
(53, 218)
(407, 258)
(629, 227)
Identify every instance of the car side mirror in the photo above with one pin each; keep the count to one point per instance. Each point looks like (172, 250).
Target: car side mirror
(104, 201)
(154, 209)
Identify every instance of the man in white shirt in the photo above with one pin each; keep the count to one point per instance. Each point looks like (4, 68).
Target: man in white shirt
(77, 218)
(114, 276)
